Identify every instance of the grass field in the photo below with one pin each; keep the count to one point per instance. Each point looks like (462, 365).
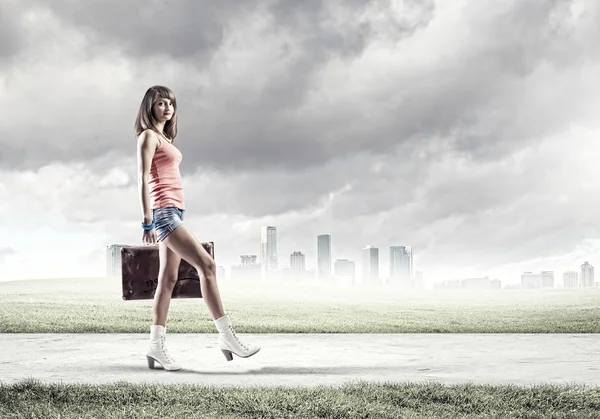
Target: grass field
(94, 305)
(31, 399)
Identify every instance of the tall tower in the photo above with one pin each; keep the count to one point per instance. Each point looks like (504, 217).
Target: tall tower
(401, 264)
(113, 260)
(587, 275)
(370, 265)
(298, 264)
(268, 248)
(571, 279)
(324, 257)
(248, 260)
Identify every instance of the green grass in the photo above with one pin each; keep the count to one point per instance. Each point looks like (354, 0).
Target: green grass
(94, 305)
(31, 399)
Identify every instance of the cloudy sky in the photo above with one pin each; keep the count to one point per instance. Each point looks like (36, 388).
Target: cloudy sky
(466, 129)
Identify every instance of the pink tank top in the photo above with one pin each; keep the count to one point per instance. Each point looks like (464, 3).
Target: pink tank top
(165, 184)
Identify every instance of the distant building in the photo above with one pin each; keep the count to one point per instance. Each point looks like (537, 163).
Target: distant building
(547, 279)
(483, 283)
(345, 271)
(268, 249)
(401, 264)
(324, 257)
(298, 265)
(113, 260)
(571, 279)
(450, 284)
(476, 283)
(529, 280)
(248, 260)
(587, 275)
(544, 279)
(370, 265)
(248, 269)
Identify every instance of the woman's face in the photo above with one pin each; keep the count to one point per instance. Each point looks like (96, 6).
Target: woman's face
(163, 109)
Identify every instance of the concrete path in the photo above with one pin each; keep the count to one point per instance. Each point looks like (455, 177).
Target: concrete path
(308, 359)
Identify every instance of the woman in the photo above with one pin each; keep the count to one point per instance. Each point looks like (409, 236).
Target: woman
(161, 195)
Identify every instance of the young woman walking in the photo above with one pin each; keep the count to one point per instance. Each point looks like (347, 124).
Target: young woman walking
(162, 200)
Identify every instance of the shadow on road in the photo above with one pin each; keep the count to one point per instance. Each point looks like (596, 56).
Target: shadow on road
(341, 370)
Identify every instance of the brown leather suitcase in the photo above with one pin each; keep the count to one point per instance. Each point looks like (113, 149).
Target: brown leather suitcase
(139, 273)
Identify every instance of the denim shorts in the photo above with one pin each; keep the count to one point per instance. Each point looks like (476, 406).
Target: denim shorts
(166, 220)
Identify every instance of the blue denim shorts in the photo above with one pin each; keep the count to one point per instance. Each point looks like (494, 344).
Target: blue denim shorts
(166, 220)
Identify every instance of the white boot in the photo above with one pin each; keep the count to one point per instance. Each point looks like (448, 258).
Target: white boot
(230, 343)
(157, 350)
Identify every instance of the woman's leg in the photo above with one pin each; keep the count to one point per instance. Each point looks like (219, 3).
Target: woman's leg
(167, 277)
(182, 242)
(186, 245)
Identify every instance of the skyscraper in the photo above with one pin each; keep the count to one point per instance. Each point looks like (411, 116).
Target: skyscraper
(113, 260)
(248, 260)
(531, 280)
(248, 269)
(324, 257)
(401, 264)
(570, 279)
(370, 265)
(268, 247)
(298, 264)
(587, 275)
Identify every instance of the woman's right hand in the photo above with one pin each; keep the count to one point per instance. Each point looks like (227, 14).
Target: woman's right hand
(149, 236)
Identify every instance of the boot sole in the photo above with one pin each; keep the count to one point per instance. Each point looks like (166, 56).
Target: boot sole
(151, 364)
(229, 355)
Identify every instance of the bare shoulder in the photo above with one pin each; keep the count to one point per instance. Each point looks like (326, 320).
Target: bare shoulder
(148, 139)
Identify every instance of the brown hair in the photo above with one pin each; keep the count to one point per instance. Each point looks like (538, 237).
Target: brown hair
(145, 118)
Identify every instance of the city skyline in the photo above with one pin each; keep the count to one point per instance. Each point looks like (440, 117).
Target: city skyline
(401, 265)
(324, 257)
(345, 272)
(467, 130)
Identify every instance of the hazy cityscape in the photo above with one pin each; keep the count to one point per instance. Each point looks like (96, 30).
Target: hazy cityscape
(400, 197)
(268, 265)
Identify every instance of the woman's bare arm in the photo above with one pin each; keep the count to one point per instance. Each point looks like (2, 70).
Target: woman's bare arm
(146, 146)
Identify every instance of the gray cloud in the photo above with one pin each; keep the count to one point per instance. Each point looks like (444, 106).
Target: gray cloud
(179, 30)
(254, 119)
(10, 32)
(482, 94)
(482, 97)
(469, 91)
(378, 125)
(474, 93)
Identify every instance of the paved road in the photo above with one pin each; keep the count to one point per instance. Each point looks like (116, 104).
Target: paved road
(308, 359)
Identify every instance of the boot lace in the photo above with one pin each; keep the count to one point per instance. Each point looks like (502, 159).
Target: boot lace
(163, 348)
(242, 344)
